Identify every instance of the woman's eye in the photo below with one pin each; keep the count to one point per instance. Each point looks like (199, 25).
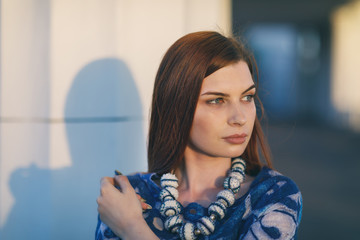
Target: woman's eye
(248, 98)
(216, 101)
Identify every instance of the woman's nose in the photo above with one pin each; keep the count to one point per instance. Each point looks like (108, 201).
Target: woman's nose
(237, 115)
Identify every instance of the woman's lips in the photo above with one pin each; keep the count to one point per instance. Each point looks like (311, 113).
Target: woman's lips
(236, 138)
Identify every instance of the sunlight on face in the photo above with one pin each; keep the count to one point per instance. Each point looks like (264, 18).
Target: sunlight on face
(225, 113)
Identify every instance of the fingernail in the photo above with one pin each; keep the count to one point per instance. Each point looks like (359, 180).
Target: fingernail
(117, 172)
(142, 200)
(148, 207)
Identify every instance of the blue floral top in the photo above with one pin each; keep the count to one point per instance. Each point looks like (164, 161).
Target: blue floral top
(271, 209)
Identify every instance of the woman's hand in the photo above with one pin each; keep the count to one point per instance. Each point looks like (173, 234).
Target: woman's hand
(121, 210)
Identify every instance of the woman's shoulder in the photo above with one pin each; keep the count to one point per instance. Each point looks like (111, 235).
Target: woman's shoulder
(139, 176)
(142, 177)
(274, 202)
(271, 189)
(268, 180)
(144, 182)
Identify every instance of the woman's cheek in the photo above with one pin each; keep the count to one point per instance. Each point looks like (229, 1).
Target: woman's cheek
(252, 112)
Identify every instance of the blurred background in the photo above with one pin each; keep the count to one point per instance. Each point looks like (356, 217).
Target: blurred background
(76, 81)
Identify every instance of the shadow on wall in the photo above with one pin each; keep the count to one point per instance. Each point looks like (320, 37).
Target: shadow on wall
(104, 129)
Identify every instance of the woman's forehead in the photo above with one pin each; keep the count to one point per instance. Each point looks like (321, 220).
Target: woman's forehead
(236, 76)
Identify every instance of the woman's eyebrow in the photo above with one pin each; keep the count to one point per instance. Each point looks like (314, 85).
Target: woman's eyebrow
(224, 94)
(216, 93)
(251, 87)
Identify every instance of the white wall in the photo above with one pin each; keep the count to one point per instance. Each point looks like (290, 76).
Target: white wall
(75, 90)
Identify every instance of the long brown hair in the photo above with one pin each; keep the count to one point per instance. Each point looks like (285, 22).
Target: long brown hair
(176, 91)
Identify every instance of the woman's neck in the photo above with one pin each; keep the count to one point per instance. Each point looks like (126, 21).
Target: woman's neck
(201, 177)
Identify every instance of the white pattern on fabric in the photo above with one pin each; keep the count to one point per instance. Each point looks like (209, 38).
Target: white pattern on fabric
(270, 210)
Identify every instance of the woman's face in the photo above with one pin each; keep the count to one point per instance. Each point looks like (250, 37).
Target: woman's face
(225, 113)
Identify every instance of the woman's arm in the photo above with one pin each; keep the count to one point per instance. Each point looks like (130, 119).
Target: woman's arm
(121, 210)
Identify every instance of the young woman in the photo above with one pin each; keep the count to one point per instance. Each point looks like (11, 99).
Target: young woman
(205, 179)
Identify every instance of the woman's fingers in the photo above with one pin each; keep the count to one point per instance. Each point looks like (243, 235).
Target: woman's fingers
(107, 184)
(140, 198)
(123, 183)
(106, 180)
(143, 203)
(145, 206)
